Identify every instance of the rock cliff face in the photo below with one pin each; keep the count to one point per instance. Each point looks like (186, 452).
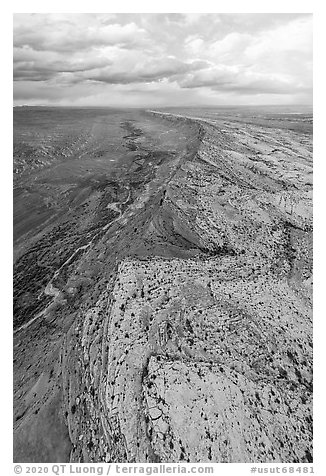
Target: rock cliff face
(193, 340)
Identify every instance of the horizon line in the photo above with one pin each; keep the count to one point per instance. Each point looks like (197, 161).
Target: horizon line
(162, 107)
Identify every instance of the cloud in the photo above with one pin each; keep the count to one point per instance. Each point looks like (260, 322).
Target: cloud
(43, 32)
(154, 70)
(44, 65)
(200, 57)
(277, 60)
(232, 79)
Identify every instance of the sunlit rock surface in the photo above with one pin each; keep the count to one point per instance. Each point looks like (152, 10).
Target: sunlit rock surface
(183, 332)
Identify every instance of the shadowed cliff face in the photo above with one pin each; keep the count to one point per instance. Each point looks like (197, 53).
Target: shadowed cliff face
(182, 330)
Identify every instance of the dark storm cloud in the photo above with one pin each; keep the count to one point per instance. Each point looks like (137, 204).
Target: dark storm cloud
(206, 57)
(149, 72)
(41, 66)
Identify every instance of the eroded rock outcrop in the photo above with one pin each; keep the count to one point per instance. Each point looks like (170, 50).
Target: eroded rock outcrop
(192, 340)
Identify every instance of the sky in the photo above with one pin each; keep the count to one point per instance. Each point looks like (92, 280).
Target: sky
(161, 59)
